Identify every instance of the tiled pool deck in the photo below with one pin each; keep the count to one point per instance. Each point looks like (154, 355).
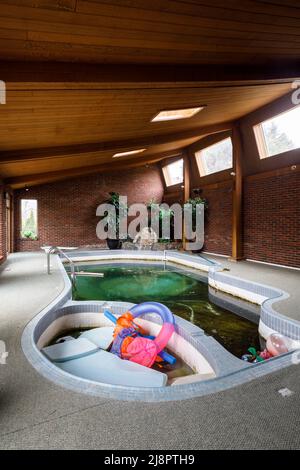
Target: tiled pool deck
(36, 413)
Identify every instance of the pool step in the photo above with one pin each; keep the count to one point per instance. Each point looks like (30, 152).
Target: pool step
(86, 274)
(82, 357)
(102, 337)
(69, 350)
(108, 368)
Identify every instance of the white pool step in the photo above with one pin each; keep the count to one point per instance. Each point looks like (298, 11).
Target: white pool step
(104, 367)
(87, 274)
(69, 350)
(101, 337)
(84, 358)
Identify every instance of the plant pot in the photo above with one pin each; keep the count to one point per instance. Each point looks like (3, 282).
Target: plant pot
(113, 244)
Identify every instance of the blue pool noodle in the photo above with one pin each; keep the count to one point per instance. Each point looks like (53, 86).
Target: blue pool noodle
(167, 357)
(110, 316)
(163, 354)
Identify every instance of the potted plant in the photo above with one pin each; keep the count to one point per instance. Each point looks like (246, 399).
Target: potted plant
(114, 222)
(29, 235)
(193, 202)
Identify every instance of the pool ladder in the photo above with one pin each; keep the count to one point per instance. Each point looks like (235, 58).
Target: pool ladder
(74, 273)
(55, 249)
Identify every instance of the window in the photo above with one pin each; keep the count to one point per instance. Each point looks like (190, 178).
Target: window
(29, 218)
(216, 157)
(278, 134)
(173, 173)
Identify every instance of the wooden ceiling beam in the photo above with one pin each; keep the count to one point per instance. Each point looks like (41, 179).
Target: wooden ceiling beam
(42, 178)
(34, 75)
(114, 146)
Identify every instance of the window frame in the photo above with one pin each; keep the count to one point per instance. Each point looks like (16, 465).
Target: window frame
(199, 159)
(260, 137)
(166, 175)
(37, 225)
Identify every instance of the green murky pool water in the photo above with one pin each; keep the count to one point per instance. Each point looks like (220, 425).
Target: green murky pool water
(185, 295)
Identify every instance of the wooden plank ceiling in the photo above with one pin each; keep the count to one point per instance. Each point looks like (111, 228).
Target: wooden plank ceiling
(62, 120)
(151, 31)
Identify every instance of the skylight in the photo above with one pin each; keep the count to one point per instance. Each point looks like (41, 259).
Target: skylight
(130, 152)
(176, 114)
(278, 134)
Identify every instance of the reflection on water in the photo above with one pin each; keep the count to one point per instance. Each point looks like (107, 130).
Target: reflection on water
(186, 296)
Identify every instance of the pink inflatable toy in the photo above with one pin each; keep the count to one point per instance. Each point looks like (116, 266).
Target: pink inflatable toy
(276, 344)
(129, 345)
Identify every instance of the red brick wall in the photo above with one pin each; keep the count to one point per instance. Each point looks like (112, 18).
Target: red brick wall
(67, 209)
(66, 212)
(272, 219)
(2, 226)
(218, 220)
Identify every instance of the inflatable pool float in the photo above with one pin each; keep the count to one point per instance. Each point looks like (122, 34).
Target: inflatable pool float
(130, 341)
(118, 355)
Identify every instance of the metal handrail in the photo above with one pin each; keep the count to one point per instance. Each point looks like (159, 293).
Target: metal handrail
(54, 249)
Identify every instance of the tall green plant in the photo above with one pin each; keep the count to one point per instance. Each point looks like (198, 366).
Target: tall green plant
(121, 211)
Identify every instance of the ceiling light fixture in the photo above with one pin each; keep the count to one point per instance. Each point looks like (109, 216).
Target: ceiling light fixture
(130, 152)
(173, 114)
